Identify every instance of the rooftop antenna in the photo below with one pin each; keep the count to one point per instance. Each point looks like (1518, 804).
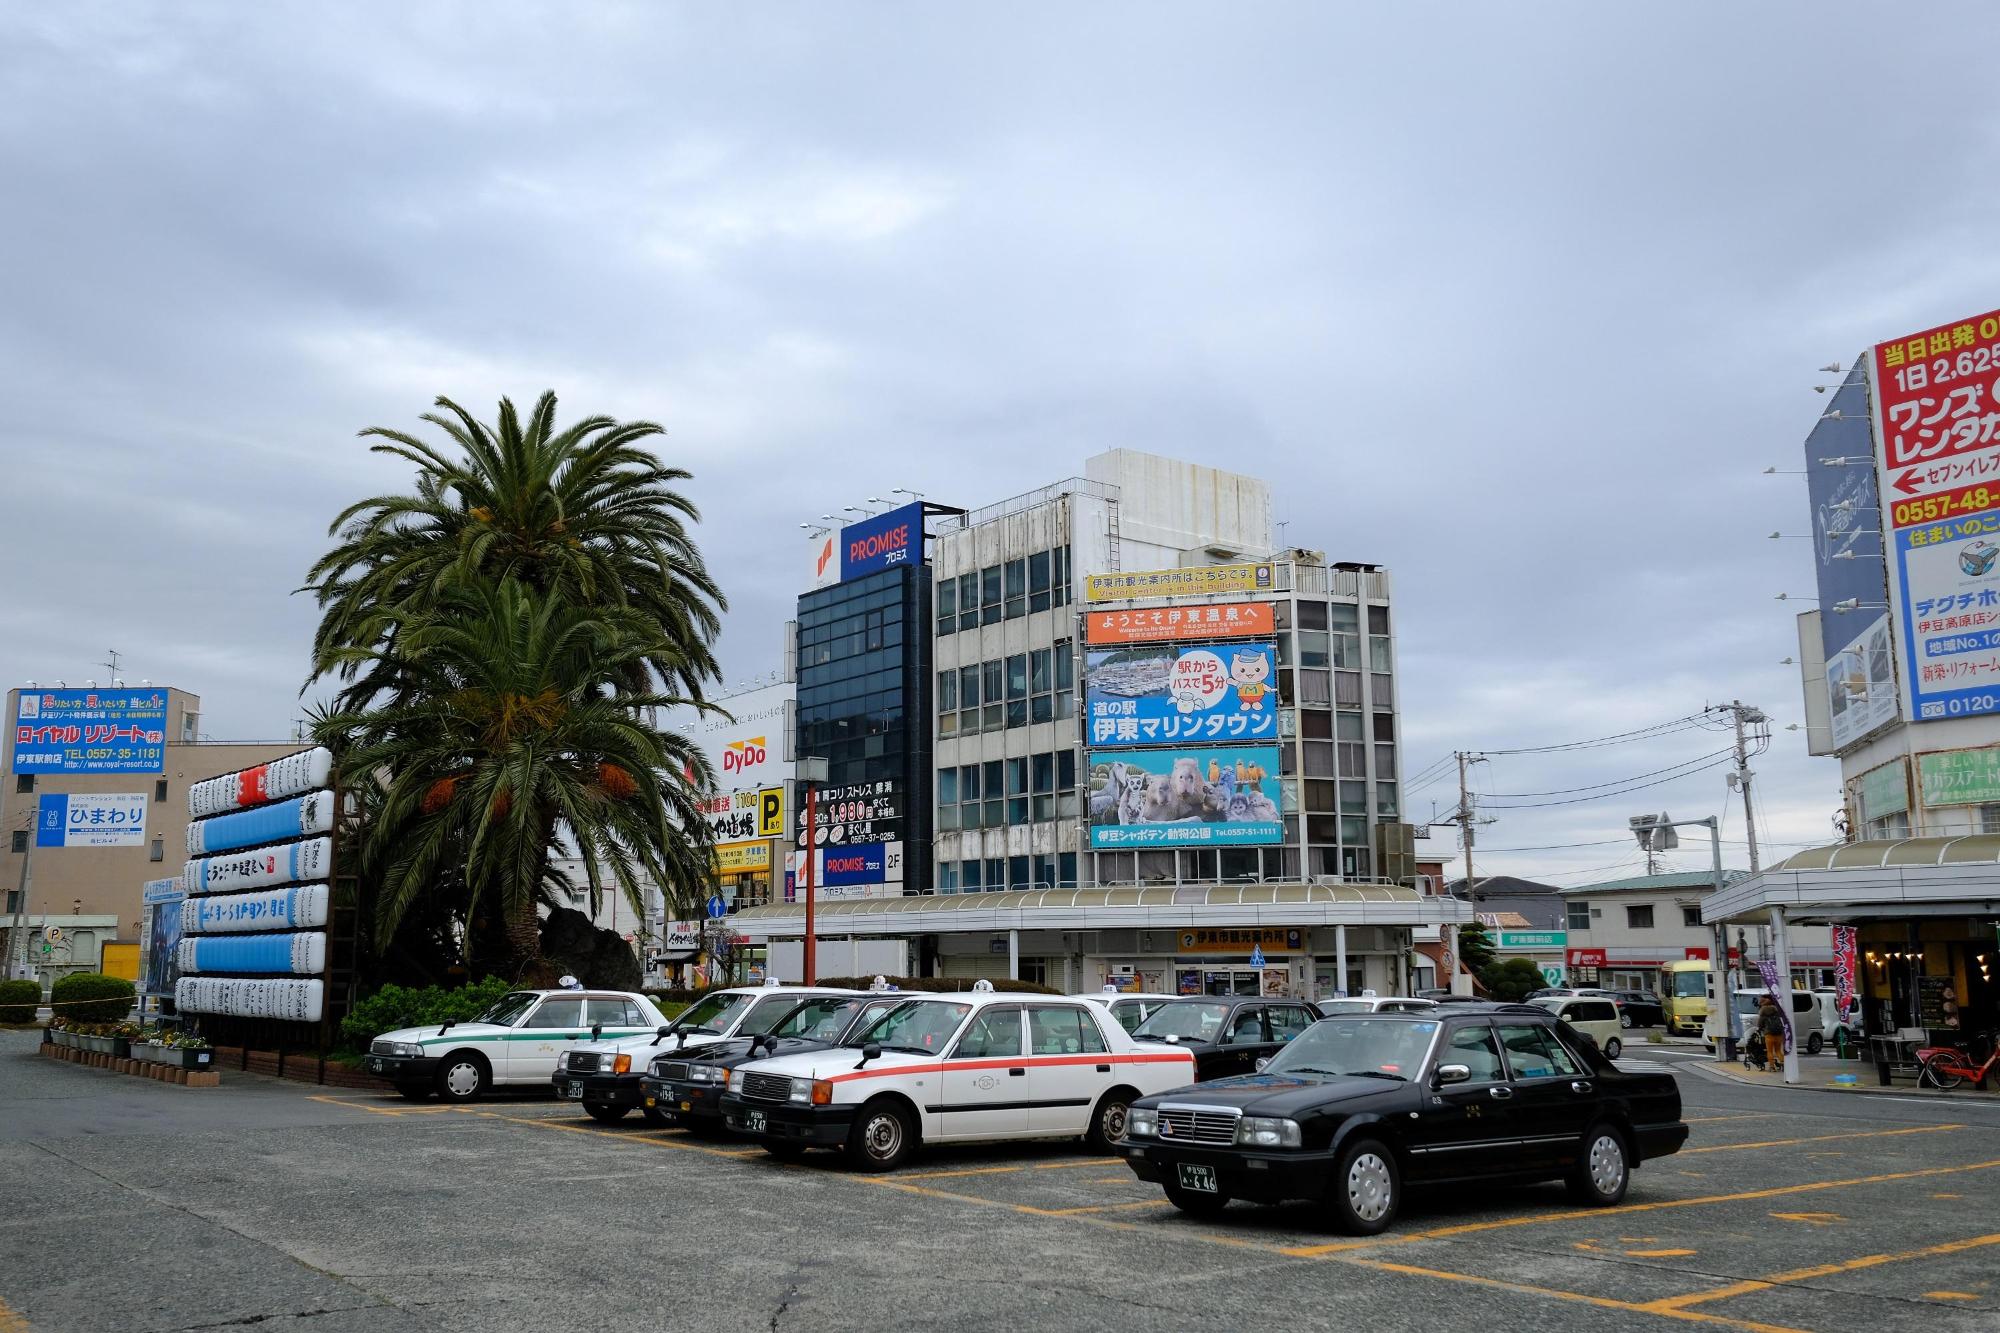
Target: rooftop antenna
(1283, 523)
(112, 665)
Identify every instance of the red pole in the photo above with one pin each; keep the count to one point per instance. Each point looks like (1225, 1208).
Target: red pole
(812, 969)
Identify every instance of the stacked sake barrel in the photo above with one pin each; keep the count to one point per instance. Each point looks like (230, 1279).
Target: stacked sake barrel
(260, 864)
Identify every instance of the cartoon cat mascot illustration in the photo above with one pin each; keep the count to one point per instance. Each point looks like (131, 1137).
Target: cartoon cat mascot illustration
(1248, 672)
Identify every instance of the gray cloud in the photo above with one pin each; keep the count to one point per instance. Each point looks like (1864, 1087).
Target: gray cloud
(1519, 303)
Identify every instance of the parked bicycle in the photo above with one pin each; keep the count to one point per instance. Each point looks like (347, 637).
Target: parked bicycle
(1947, 1067)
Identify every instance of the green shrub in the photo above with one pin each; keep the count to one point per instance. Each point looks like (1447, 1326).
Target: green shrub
(91, 997)
(395, 1007)
(1514, 979)
(938, 984)
(19, 1000)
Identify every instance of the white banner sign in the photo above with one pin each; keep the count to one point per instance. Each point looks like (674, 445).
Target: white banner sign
(78, 819)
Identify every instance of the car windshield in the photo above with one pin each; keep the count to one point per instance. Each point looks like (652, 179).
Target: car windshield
(922, 1026)
(712, 1013)
(822, 1019)
(1185, 1019)
(507, 1010)
(1377, 1047)
(1690, 985)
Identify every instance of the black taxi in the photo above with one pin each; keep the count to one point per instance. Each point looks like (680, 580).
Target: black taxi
(684, 1087)
(1360, 1105)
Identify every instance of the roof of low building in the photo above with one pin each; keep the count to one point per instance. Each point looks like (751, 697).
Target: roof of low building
(1874, 853)
(1679, 879)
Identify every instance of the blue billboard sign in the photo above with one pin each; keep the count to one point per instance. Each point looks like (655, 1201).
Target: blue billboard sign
(88, 819)
(894, 538)
(1848, 564)
(1203, 796)
(864, 863)
(90, 731)
(1176, 696)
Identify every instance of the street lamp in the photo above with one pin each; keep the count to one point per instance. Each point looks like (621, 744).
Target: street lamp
(812, 772)
(1646, 828)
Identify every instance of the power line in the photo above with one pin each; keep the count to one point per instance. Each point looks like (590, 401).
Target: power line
(1622, 791)
(1688, 723)
(1614, 782)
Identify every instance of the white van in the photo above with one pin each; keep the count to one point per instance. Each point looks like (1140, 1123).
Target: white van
(1594, 1017)
(1809, 1025)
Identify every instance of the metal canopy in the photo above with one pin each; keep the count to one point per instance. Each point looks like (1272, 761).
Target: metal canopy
(1148, 907)
(1883, 877)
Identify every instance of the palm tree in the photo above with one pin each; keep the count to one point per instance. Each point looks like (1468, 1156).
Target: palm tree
(583, 513)
(509, 737)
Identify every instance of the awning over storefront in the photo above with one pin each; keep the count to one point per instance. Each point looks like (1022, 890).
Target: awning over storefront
(1152, 907)
(1853, 881)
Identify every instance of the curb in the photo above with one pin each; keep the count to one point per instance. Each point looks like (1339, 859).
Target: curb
(1719, 1072)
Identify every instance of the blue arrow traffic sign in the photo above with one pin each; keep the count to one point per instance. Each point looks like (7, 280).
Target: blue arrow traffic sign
(716, 907)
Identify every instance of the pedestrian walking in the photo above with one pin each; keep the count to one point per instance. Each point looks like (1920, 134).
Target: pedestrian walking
(1771, 1027)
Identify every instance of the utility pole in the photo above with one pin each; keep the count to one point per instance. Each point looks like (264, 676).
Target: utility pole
(1740, 713)
(18, 924)
(1465, 826)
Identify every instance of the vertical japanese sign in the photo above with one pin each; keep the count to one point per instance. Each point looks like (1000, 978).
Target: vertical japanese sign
(91, 820)
(1849, 565)
(90, 731)
(160, 936)
(1937, 404)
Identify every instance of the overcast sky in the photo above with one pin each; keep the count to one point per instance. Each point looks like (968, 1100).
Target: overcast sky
(1518, 301)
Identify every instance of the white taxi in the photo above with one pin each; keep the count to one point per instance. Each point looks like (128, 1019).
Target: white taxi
(952, 1069)
(514, 1043)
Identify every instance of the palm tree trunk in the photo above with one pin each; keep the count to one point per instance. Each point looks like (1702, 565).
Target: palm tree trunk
(524, 936)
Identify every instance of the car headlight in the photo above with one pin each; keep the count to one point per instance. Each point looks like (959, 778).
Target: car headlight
(1261, 1132)
(802, 1091)
(1142, 1122)
(408, 1048)
(736, 1080)
(707, 1074)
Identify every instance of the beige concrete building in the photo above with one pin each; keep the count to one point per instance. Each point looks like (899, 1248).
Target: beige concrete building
(93, 893)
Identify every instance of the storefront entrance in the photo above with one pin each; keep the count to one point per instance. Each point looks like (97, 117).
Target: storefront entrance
(1207, 979)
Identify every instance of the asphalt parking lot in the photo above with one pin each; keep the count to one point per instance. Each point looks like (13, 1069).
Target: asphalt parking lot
(131, 1206)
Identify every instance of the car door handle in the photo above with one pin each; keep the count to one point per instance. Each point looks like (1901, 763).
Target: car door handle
(1500, 1094)
(1017, 1073)
(1581, 1085)
(1104, 1069)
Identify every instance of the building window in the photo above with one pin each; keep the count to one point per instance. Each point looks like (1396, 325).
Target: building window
(1042, 785)
(1691, 917)
(948, 877)
(158, 851)
(968, 875)
(989, 595)
(947, 800)
(160, 789)
(1066, 870)
(1889, 826)
(1033, 970)
(1059, 594)
(1639, 916)
(1038, 581)
(13, 901)
(947, 693)
(1017, 790)
(947, 606)
(1068, 804)
(24, 782)
(1579, 915)
(1017, 588)
(968, 601)
(1065, 678)
(1989, 819)
(992, 680)
(968, 700)
(20, 842)
(1017, 690)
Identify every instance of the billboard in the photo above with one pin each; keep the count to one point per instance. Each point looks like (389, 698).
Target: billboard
(160, 936)
(1848, 565)
(1168, 624)
(1161, 696)
(1935, 406)
(1191, 581)
(1960, 777)
(742, 857)
(1194, 797)
(78, 819)
(90, 731)
(742, 815)
(862, 870)
(852, 813)
(878, 543)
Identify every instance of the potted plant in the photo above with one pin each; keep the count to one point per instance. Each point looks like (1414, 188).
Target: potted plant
(187, 1050)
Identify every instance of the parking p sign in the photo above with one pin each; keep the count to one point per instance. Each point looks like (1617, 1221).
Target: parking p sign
(75, 819)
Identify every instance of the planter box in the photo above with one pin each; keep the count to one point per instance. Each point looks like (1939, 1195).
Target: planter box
(174, 1058)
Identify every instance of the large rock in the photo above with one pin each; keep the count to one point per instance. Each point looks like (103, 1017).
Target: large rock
(593, 956)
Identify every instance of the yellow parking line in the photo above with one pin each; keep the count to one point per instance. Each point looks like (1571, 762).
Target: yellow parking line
(1469, 1228)
(1747, 1115)
(1103, 1208)
(647, 1140)
(1823, 1138)
(1071, 1166)
(970, 1171)
(1557, 1294)
(1678, 1303)
(11, 1320)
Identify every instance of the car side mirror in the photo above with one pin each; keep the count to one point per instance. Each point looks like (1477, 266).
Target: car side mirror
(1262, 1060)
(664, 1030)
(872, 1051)
(1449, 1074)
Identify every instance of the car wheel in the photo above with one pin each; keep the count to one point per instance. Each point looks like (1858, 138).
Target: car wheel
(1613, 1049)
(1367, 1188)
(881, 1138)
(1107, 1122)
(1624, 1018)
(1602, 1171)
(415, 1092)
(463, 1077)
(1196, 1205)
(603, 1114)
(1815, 1043)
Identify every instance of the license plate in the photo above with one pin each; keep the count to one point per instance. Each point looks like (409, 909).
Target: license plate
(753, 1121)
(1200, 1179)
(573, 1091)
